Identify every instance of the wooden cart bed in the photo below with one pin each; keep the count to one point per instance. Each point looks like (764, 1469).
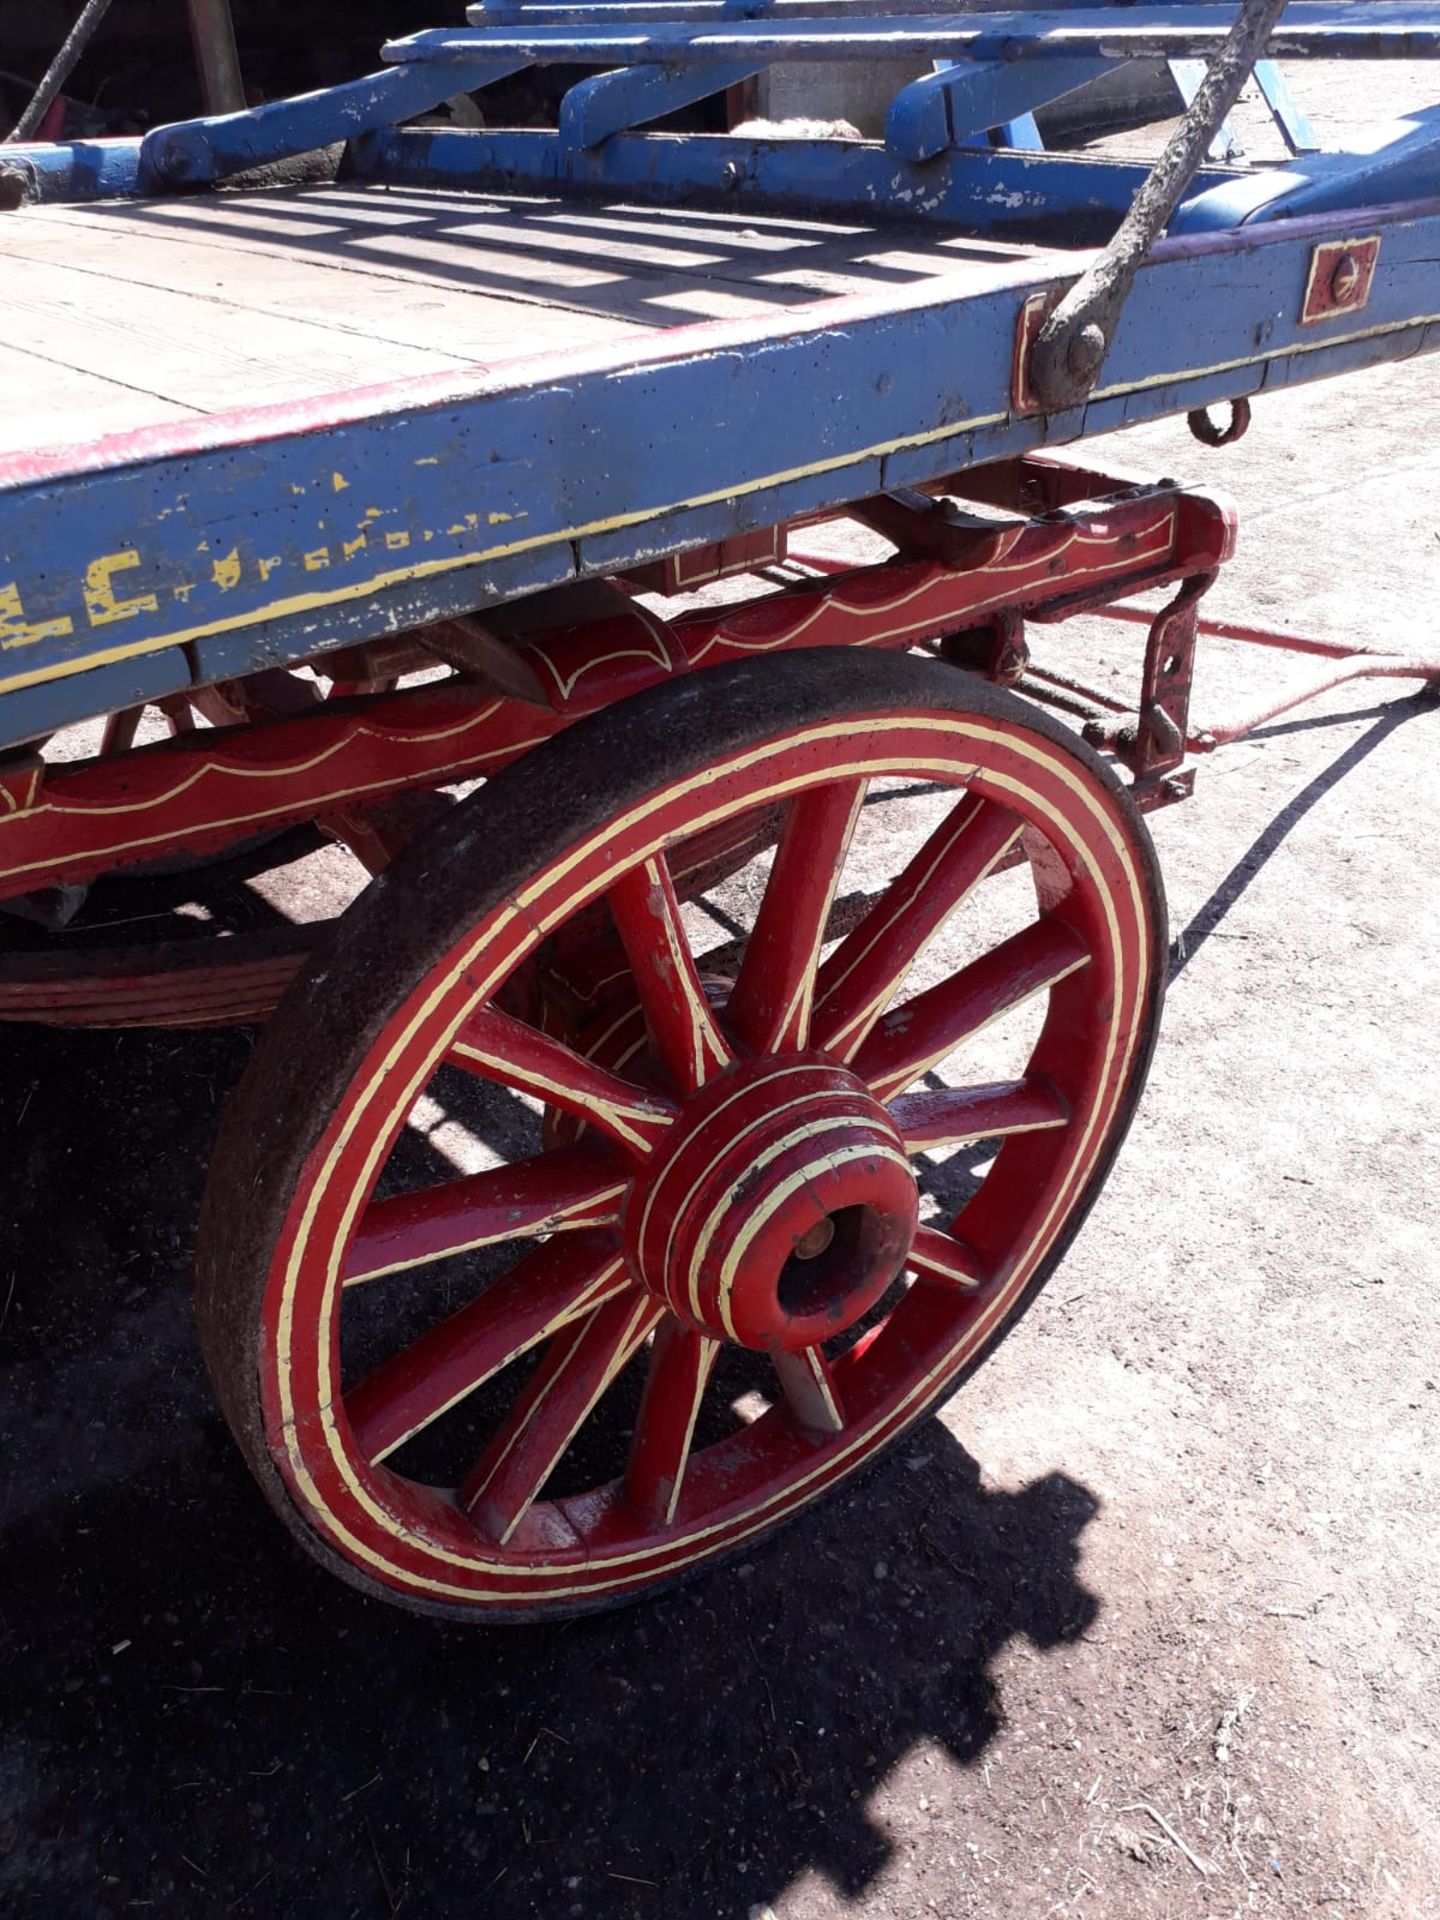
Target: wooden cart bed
(133, 314)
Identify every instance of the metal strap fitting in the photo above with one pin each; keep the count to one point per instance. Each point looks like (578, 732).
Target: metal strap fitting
(1065, 361)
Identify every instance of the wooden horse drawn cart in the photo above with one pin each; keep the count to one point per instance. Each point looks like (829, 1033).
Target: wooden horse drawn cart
(560, 521)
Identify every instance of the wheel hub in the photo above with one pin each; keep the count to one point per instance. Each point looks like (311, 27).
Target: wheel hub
(781, 1210)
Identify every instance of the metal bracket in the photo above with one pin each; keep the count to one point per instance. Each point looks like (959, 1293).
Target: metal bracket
(1152, 742)
(1031, 318)
(1210, 433)
(1065, 361)
(1341, 275)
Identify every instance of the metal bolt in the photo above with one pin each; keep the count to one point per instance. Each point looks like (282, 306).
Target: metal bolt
(1086, 351)
(1345, 279)
(731, 174)
(175, 163)
(812, 1244)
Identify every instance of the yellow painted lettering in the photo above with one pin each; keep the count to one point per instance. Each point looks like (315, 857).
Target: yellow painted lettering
(225, 571)
(395, 541)
(267, 567)
(102, 602)
(317, 561)
(338, 482)
(17, 631)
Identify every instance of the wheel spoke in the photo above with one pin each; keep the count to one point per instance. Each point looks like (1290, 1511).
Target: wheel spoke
(810, 1390)
(545, 1292)
(770, 1007)
(499, 1047)
(680, 1365)
(950, 1117)
(578, 1366)
(946, 1261)
(920, 1033)
(682, 1027)
(553, 1192)
(864, 973)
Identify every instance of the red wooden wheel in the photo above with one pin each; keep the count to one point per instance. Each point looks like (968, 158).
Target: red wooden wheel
(578, 1371)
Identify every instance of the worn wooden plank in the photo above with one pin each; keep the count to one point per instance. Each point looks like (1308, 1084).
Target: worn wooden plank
(209, 355)
(462, 309)
(42, 396)
(221, 302)
(392, 311)
(541, 249)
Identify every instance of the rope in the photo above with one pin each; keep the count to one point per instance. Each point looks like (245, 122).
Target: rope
(60, 69)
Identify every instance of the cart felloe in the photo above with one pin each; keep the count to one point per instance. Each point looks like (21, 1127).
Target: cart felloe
(555, 1246)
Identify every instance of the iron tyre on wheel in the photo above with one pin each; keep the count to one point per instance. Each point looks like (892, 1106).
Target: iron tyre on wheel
(585, 1360)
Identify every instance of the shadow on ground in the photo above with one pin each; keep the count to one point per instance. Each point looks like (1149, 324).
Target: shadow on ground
(1267, 843)
(193, 1720)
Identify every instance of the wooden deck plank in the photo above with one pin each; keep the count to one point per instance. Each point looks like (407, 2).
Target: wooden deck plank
(224, 301)
(43, 402)
(207, 354)
(543, 249)
(407, 308)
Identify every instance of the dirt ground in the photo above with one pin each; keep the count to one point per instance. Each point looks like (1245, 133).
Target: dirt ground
(1144, 1624)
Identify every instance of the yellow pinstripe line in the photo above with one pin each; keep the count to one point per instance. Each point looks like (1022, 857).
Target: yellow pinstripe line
(617, 1115)
(577, 1214)
(898, 1079)
(813, 1362)
(928, 1263)
(859, 1024)
(596, 1293)
(1058, 770)
(844, 1157)
(644, 1317)
(793, 1494)
(314, 803)
(531, 1415)
(227, 770)
(399, 576)
(914, 1143)
(731, 1141)
(709, 1350)
(798, 1013)
(812, 1130)
(1162, 544)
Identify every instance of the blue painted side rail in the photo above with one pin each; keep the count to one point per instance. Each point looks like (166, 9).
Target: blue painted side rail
(272, 535)
(983, 192)
(199, 152)
(1309, 29)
